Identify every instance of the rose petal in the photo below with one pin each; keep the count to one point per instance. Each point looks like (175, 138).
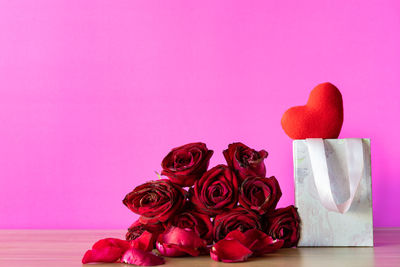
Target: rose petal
(137, 228)
(237, 235)
(142, 258)
(229, 251)
(257, 241)
(106, 254)
(178, 242)
(182, 250)
(145, 241)
(261, 243)
(111, 242)
(168, 251)
(106, 250)
(269, 248)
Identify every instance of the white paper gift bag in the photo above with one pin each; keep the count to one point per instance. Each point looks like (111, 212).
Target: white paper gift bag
(333, 191)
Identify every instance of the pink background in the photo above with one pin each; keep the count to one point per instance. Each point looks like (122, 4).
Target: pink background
(93, 94)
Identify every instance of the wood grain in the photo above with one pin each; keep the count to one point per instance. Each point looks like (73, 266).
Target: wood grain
(65, 248)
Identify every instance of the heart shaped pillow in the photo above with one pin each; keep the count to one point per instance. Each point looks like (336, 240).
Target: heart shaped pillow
(321, 117)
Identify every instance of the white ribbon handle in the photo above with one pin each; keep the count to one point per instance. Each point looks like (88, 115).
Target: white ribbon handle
(355, 167)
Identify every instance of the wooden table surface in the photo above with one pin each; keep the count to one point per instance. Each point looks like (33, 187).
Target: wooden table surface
(59, 248)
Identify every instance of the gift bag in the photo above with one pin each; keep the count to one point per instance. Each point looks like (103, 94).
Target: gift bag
(333, 191)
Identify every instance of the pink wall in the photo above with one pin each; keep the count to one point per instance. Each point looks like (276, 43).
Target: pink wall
(93, 94)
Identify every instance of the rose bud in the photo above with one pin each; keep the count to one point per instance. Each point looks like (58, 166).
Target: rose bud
(260, 194)
(284, 224)
(235, 219)
(142, 258)
(216, 191)
(186, 164)
(137, 228)
(245, 161)
(176, 242)
(198, 222)
(155, 201)
(258, 242)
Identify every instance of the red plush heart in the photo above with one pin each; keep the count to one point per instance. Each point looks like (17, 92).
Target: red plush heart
(321, 117)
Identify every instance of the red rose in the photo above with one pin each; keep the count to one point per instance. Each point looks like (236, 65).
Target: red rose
(235, 219)
(245, 161)
(260, 194)
(186, 164)
(284, 224)
(216, 191)
(155, 201)
(200, 223)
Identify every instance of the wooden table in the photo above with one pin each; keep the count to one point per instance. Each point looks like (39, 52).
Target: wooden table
(58, 248)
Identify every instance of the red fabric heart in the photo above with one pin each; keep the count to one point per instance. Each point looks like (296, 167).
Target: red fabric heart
(321, 117)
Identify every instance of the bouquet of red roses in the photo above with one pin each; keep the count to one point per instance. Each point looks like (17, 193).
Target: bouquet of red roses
(228, 211)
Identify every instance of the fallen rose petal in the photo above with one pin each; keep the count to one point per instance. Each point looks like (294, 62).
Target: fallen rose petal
(142, 258)
(168, 251)
(106, 254)
(111, 242)
(192, 251)
(268, 247)
(176, 241)
(229, 251)
(106, 250)
(261, 243)
(257, 241)
(146, 241)
(239, 236)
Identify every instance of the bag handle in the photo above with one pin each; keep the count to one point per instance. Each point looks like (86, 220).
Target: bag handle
(355, 167)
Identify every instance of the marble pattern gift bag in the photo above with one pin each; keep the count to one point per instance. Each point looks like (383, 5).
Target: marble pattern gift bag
(333, 191)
